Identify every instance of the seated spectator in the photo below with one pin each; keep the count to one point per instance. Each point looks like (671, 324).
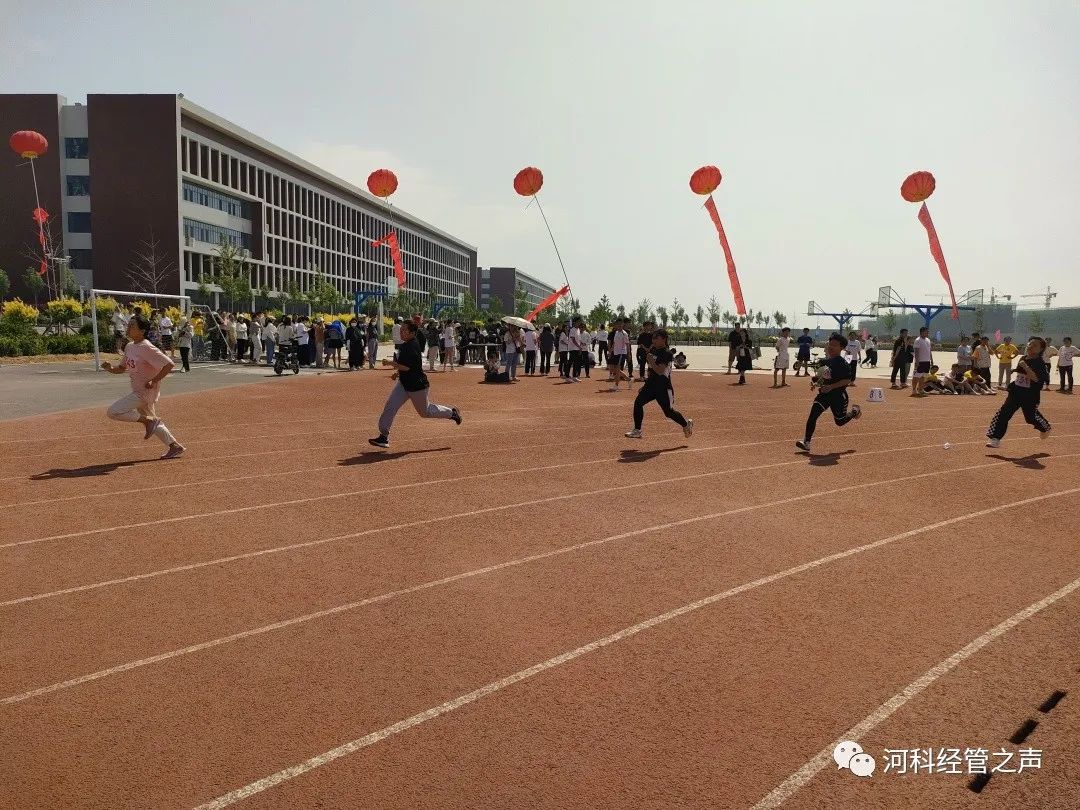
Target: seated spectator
(680, 360)
(977, 384)
(492, 373)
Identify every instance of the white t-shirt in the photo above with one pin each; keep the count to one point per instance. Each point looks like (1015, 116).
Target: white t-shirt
(530, 341)
(585, 338)
(300, 332)
(510, 345)
(782, 346)
(119, 321)
(143, 361)
(165, 325)
(395, 333)
(980, 356)
(448, 337)
(564, 342)
(1066, 355)
(574, 344)
(1049, 353)
(869, 344)
(924, 350)
(284, 334)
(241, 331)
(963, 355)
(621, 344)
(853, 350)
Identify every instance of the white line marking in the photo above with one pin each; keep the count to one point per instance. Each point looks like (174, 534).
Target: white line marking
(424, 586)
(786, 789)
(478, 694)
(367, 490)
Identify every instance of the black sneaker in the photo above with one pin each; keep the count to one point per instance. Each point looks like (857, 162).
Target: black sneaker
(382, 441)
(455, 414)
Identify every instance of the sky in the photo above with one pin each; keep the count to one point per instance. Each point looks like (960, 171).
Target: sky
(814, 113)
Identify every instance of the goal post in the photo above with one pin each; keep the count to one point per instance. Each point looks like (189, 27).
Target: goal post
(184, 306)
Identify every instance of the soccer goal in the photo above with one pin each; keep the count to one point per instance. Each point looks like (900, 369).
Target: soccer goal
(130, 298)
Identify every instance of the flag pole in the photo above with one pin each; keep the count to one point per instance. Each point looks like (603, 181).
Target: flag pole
(558, 255)
(41, 227)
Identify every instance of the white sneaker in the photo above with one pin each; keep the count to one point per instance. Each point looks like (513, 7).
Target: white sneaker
(1045, 434)
(689, 429)
(803, 444)
(993, 442)
(633, 434)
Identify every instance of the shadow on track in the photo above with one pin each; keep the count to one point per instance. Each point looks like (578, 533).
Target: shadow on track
(1029, 462)
(637, 456)
(826, 460)
(375, 456)
(87, 472)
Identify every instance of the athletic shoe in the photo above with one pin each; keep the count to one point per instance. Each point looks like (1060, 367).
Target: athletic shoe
(174, 451)
(633, 434)
(382, 441)
(688, 431)
(612, 390)
(993, 442)
(455, 414)
(151, 426)
(856, 411)
(803, 444)
(1045, 434)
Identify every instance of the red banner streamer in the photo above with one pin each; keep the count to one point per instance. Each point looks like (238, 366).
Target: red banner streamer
(733, 277)
(939, 257)
(395, 256)
(547, 302)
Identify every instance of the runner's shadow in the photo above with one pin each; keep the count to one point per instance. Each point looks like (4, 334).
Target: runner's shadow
(88, 471)
(637, 456)
(1030, 462)
(828, 459)
(374, 456)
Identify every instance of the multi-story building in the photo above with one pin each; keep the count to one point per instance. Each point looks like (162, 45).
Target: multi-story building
(128, 171)
(502, 283)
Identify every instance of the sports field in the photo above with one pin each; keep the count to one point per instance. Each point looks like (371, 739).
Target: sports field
(531, 610)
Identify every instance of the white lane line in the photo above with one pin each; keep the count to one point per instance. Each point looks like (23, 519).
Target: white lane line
(489, 689)
(786, 789)
(424, 586)
(367, 490)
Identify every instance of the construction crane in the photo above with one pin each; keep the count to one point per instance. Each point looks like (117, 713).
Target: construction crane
(1047, 296)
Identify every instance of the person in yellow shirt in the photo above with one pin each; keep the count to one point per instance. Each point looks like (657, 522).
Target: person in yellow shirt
(199, 336)
(1005, 353)
(977, 383)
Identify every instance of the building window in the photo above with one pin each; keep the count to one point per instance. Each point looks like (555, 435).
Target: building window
(215, 199)
(80, 259)
(78, 222)
(77, 148)
(213, 234)
(78, 185)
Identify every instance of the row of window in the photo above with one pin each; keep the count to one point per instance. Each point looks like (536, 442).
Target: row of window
(78, 185)
(214, 234)
(335, 219)
(215, 199)
(77, 148)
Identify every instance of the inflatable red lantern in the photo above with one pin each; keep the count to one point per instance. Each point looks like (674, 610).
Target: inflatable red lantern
(382, 182)
(705, 180)
(28, 144)
(918, 186)
(528, 181)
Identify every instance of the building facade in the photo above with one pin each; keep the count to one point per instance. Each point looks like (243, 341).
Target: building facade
(502, 282)
(133, 172)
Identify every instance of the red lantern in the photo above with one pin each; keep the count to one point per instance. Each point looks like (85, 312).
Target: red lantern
(705, 180)
(382, 182)
(40, 215)
(28, 144)
(918, 187)
(528, 181)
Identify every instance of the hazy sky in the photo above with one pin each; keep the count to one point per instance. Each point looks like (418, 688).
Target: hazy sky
(814, 112)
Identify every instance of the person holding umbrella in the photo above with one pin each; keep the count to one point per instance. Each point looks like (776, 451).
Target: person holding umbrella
(411, 385)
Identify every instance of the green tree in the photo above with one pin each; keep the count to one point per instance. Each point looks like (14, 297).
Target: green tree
(522, 307)
(1035, 323)
(889, 321)
(602, 312)
(620, 310)
(779, 318)
(678, 312)
(5, 285)
(662, 314)
(642, 312)
(728, 319)
(469, 311)
(230, 273)
(34, 284)
(714, 312)
(699, 315)
(980, 319)
(323, 295)
(495, 308)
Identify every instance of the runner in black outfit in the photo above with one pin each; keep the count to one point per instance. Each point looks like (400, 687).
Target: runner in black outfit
(658, 387)
(834, 376)
(1032, 373)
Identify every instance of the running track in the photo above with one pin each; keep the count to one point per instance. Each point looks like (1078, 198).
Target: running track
(530, 610)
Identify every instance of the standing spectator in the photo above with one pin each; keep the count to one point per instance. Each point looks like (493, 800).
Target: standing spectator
(154, 333)
(1005, 353)
(924, 358)
(802, 358)
(198, 326)
(783, 344)
(530, 352)
(744, 361)
(241, 338)
(255, 337)
(269, 339)
(449, 341)
(512, 351)
(1065, 365)
(335, 341)
(963, 355)
(870, 352)
(165, 329)
(600, 341)
(585, 339)
(853, 353)
(620, 355)
(230, 335)
(302, 339)
(432, 336)
(320, 343)
(575, 349)
(356, 337)
(373, 330)
(186, 331)
(547, 347)
(395, 335)
(980, 359)
(735, 339)
(120, 319)
(286, 337)
(564, 350)
(1049, 353)
(899, 351)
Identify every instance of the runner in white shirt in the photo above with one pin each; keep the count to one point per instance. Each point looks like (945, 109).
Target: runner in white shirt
(147, 366)
(783, 360)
